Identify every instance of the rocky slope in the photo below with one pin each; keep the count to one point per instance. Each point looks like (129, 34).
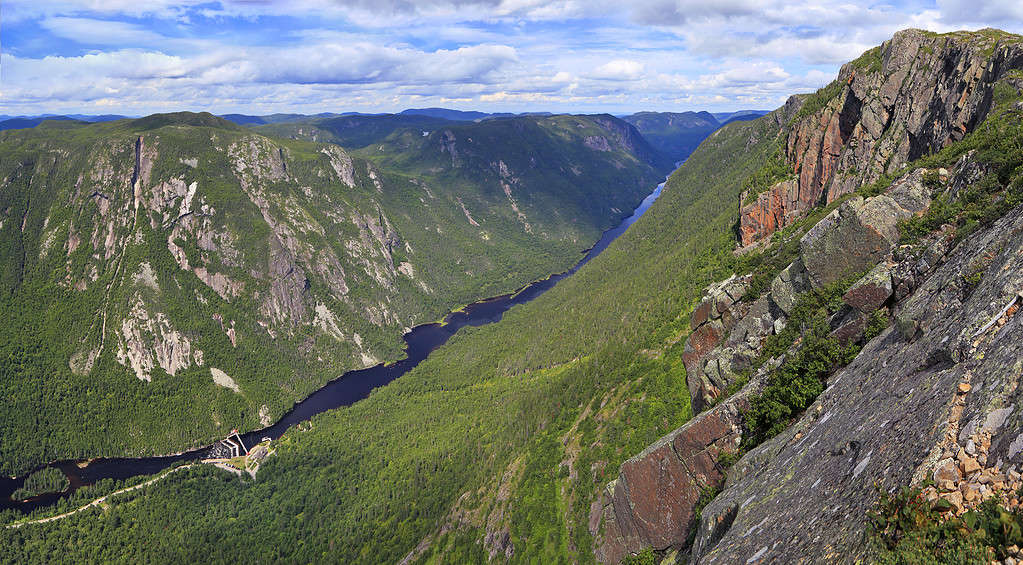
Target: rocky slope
(911, 96)
(911, 406)
(930, 397)
(177, 276)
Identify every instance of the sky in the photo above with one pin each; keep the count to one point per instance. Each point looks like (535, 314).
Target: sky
(136, 57)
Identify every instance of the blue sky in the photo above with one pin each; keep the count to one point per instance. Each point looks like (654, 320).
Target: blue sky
(137, 57)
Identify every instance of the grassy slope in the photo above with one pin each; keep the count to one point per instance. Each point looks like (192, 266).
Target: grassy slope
(47, 412)
(368, 482)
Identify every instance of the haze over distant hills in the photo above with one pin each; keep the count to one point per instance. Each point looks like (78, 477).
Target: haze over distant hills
(21, 122)
(674, 133)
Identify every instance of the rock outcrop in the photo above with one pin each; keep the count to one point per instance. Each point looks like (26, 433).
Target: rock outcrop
(911, 96)
(861, 232)
(728, 334)
(944, 379)
(651, 503)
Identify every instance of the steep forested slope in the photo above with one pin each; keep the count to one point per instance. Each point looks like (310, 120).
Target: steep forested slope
(167, 279)
(676, 134)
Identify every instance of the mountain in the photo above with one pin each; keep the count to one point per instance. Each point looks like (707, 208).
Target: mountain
(354, 131)
(741, 117)
(23, 123)
(176, 276)
(96, 117)
(724, 117)
(464, 116)
(444, 113)
(692, 394)
(869, 347)
(249, 120)
(676, 134)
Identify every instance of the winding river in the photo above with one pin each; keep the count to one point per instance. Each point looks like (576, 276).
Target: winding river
(343, 391)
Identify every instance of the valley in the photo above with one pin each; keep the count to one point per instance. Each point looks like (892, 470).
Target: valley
(518, 283)
(343, 391)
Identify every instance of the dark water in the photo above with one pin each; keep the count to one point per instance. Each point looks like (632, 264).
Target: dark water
(346, 389)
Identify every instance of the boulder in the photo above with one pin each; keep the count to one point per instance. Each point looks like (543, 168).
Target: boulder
(872, 291)
(651, 502)
(851, 239)
(788, 285)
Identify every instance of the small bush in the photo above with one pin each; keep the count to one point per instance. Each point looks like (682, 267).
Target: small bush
(876, 324)
(905, 528)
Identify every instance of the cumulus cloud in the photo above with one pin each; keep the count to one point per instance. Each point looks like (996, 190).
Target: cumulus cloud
(379, 55)
(618, 69)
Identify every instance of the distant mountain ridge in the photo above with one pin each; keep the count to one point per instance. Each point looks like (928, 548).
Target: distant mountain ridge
(22, 122)
(675, 134)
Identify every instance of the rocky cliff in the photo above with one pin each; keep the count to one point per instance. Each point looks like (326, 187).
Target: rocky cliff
(931, 397)
(914, 403)
(909, 97)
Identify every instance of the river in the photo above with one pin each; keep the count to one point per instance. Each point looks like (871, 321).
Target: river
(343, 391)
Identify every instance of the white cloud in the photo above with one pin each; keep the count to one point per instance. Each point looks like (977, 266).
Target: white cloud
(962, 12)
(99, 32)
(581, 55)
(618, 69)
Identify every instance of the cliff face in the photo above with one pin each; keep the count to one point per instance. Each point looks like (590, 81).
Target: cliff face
(911, 96)
(652, 502)
(932, 397)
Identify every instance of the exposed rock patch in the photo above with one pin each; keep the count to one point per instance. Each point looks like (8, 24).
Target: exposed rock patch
(224, 380)
(912, 96)
(928, 397)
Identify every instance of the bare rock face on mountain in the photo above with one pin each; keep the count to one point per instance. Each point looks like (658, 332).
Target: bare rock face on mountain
(945, 376)
(859, 233)
(909, 97)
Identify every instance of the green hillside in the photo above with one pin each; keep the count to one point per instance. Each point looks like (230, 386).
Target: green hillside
(674, 134)
(594, 362)
(167, 279)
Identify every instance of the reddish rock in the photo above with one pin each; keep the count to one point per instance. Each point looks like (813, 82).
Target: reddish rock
(651, 503)
(878, 122)
(872, 291)
(771, 211)
(701, 314)
(701, 342)
(851, 330)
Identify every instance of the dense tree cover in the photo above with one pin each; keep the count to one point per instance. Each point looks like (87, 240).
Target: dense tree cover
(65, 291)
(543, 407)
(676, 134)
(353, 131)
(48, 479)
